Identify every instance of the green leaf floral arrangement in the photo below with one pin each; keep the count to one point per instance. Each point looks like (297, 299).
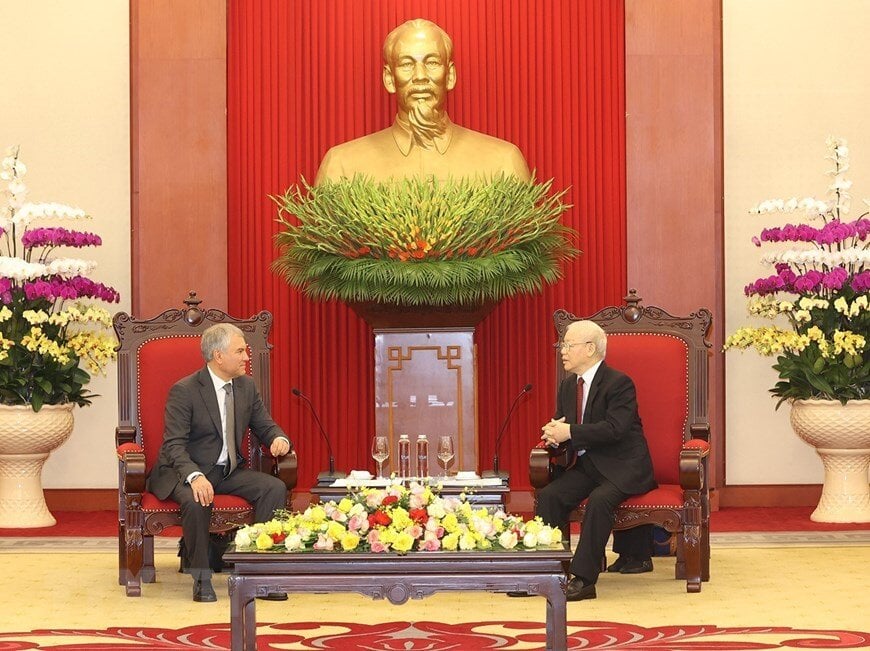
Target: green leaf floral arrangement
(820, 289)
(421, 242)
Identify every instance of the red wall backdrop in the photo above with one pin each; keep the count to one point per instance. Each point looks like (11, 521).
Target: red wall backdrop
(304, 75)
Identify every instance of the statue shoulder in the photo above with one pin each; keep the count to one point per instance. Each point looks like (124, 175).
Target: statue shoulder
(491, 153)
(353, 156)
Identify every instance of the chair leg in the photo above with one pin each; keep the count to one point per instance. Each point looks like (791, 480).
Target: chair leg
(692, 535)
(680, 565)
(133, 554)
(122, 554)
(149, 574)
(705, 551)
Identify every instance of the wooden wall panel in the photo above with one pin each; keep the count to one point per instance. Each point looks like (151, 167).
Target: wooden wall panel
(178, 150)
(674, 183)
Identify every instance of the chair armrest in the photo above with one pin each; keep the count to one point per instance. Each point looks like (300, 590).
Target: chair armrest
(131, 458)
(693, 461)
(700, 431)
(540, 472)
(285, 468)
(124, 434)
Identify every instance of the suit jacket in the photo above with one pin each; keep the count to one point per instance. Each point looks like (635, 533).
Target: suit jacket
(611, 432)
(192, 434)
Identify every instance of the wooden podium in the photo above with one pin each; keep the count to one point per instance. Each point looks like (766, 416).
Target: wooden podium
(426, 378)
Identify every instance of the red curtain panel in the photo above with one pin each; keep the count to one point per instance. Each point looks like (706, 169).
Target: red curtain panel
(547, 75)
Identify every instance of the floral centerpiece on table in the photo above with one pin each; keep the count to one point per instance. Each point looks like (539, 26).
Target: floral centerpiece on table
(421, 242)
(398, 519)
(820, 290)
(46, 328)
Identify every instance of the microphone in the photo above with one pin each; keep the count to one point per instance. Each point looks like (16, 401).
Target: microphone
(495, 472)
(323, 476)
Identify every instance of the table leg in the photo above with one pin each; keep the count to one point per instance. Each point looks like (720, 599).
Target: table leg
(243, 615)
(557, 617)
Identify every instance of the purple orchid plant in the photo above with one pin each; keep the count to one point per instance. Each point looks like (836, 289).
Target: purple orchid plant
(52, 338)
(820, 289)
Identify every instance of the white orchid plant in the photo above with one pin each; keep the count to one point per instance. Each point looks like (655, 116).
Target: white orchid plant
(821, 290)
(47, 329)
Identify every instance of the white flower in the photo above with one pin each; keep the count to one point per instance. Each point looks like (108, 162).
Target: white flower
(31, 211)
(70, 267)
(20, 270)
(243, 538)
(293, 542)
(530, 540)
(508, 539)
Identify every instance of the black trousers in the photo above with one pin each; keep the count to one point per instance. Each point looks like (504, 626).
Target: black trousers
(265, 492)
(561, 496)
(636, 542)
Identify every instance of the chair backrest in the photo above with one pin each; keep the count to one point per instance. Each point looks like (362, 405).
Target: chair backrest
(155, 353)
(666, 357)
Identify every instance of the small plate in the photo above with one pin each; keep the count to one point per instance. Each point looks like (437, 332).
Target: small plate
(360, 474)
(464, 475)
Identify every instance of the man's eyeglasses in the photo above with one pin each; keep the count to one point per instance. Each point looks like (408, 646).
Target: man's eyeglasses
(564, 345)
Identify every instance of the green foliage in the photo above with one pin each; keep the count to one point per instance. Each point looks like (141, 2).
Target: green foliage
(32, 378)
(809, 374)
(420, 242)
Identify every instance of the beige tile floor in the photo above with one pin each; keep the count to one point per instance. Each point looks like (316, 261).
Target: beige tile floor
(75, 586)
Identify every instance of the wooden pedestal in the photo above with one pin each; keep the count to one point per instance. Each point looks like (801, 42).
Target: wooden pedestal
(426, 379)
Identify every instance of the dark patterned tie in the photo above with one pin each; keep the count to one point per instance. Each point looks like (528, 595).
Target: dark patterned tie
(230, 429)
(580, 387)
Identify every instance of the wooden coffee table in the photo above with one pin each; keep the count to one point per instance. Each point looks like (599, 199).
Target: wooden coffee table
(397, 578)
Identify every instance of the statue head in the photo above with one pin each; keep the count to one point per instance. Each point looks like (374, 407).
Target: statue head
(419, 70)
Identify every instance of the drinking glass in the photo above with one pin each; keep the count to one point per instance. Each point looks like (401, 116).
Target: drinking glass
(380, 453)
(445, 451)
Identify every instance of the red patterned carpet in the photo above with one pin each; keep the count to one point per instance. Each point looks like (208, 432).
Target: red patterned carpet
(747, 589)
(434, 636)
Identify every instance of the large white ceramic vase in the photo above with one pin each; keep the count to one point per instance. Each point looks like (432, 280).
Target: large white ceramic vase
(26, 439)
(841, 435)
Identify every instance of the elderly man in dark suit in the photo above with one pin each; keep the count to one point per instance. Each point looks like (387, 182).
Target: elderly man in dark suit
(206, 417)
(597, 418)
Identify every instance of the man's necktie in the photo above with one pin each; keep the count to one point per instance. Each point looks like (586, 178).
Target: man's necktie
(230, 429)
(580, 388)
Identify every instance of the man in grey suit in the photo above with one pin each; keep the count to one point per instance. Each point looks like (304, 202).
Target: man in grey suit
(206, 417)
(597, 418)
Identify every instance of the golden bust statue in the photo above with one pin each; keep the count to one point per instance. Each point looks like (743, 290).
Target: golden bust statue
(422, 141)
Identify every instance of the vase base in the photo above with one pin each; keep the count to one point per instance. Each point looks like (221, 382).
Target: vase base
(842, 516)
(25, 514)
(22, 502)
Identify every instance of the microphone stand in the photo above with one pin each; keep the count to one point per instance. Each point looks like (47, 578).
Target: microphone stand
(496, 472)
(331, 475)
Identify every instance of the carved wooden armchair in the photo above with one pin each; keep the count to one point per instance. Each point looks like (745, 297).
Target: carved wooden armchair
(152, 355)
(666, 356)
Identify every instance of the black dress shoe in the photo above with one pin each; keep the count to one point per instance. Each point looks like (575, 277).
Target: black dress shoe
(576, 591)
(274, 596)
(514, 593)
(637, 566)
(203, 591)
(619, 563)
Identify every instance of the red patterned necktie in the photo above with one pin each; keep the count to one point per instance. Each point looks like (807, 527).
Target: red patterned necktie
(580, 385)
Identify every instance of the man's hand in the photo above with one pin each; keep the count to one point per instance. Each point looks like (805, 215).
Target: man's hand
(279, 447)
(203, 491)
(556, 432)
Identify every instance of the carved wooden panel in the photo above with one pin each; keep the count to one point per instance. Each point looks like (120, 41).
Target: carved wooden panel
(425, 383)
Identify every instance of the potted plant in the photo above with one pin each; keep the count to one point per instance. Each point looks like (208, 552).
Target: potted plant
(818, 300)
(48, 330)
(417, 242)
